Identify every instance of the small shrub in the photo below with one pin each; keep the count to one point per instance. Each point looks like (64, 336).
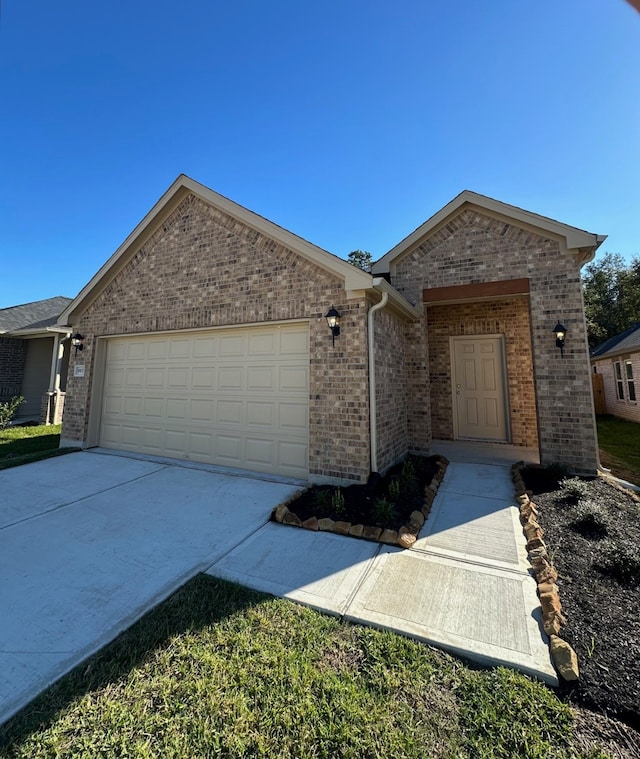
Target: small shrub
(590, 520)
(384, 512)
(622, 561)
(574, 488)
(394, 489)
(8, 410)
(322, 501)
(407, 480)
(337, 502)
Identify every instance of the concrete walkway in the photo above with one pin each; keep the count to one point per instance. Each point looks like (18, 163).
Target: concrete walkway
(465, 586)
(90, 542)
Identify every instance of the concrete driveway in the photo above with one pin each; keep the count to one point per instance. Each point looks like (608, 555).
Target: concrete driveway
(89, 542)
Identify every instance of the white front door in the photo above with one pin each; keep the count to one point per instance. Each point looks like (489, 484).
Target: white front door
(479, 388)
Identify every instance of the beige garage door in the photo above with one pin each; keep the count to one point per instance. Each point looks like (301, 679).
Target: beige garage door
(233, 397)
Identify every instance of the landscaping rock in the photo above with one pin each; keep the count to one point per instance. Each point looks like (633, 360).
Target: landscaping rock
(550, 602)
(326, 524)
(341, 528)
(547, 574)
(564, 658)
(310, 524)
(371, 533)
(292, 519)
(406, 540)
(389, 536)
(417, 519)
(356, 530)
(280, 511)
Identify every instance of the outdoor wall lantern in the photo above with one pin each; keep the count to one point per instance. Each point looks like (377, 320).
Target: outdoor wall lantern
(560, 331)
(77, 341)
(333, 320)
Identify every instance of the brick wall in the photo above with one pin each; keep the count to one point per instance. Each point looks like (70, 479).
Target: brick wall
(626, 409)
(13, 354)
(471, 248)
(202, 268)
(391, 389)
(508, 317)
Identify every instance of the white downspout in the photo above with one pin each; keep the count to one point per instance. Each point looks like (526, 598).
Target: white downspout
(372, 381)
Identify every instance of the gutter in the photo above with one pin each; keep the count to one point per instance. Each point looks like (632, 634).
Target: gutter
(373, 433)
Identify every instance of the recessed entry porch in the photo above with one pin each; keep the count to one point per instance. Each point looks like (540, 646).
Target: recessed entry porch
(481, 367)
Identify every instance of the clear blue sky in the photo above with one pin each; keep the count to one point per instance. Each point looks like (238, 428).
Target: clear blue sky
(347, 122)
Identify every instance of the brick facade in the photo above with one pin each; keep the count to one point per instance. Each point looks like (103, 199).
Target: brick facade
(471, 247)
(13, 354)
(391, 389)
(203, 268)
(509, 317)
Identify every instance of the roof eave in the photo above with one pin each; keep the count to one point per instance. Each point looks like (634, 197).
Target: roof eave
(354, 278)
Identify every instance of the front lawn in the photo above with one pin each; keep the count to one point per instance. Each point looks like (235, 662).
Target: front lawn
(22, 445)
(219, 670)
(619, 442)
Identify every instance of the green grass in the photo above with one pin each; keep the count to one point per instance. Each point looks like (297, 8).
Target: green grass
(219, 670)
(22, 445)
(619, 442)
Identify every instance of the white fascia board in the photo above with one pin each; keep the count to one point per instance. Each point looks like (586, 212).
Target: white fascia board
(26, 332)
(573, 237)
(354, 278)
(397, 301)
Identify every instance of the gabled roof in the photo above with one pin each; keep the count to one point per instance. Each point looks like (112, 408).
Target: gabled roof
(354, 278)
(626, 342)
(32, 317)
(577, 240)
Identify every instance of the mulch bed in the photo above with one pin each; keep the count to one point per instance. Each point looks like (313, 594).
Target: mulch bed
(583, 530)
(361, 504)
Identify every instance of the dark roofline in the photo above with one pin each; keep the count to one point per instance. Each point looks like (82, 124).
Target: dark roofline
(609, 345)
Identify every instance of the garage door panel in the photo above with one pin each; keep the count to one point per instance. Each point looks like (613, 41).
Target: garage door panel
(155, 377)
(180, 347)
(177, 379)
(262, 345)
(260, 378)
(203, 378)
(230, 412)
(202, 410)
(136, 350)
(293, 378)
(260, 414)
(259, 452)
(294, 416)
(231, 378)
(154, 408)
(236, 397)
(134, 378)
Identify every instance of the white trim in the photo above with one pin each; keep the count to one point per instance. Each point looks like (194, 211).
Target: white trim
(373, 432)
(584, 244)
(353, 277)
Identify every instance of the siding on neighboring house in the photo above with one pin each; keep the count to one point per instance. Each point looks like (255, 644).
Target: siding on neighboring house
(626, 408)
(13, 353)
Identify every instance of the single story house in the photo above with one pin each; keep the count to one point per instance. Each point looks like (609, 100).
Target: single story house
(34, 356)
(205, 338)
(617, 360)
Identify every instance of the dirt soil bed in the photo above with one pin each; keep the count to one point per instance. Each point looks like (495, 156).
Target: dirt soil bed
(388, 503)
(592, 533)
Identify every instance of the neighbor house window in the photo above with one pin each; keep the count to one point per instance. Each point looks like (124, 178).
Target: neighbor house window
(617, 368)
(631, 385)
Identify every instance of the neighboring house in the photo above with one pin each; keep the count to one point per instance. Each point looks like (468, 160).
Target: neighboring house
(618, 361)
(34, 356)
(205, 339)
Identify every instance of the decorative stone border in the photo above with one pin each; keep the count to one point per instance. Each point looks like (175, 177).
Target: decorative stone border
(405, 537)
(564, 657)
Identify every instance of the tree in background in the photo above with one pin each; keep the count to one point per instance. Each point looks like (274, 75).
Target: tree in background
(611, 296)
(360, 258)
